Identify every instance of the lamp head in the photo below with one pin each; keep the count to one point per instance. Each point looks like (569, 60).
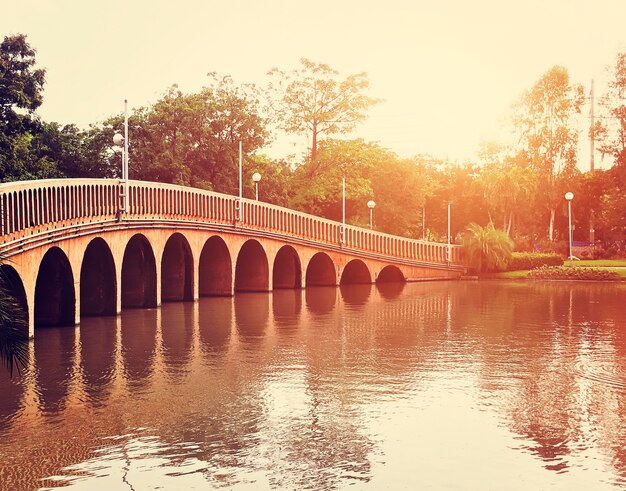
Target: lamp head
(371, 204)
(256, 177)
(569, 196)
(118, 140)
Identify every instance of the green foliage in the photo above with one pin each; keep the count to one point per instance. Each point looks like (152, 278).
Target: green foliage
(21, 87)
(313, 100)
(371, 172)
(567, 273)
(486, 248)
(507, 188)
(21, 84)
(532, 260)
(13, 343)
(610, 132)
(193, 139)
(548, 136)
(454, 184)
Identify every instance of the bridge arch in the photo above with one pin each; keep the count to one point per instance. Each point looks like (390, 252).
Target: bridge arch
(13, 287)
(98, 284)
(251, 269)
(287, 271)
(321, 271)
(55, 297)
(356, 271)
(139, 274)
(176, 270)
(215, 268)
(390, 274)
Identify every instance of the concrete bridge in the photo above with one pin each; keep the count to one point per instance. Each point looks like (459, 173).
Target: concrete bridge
(71, 253)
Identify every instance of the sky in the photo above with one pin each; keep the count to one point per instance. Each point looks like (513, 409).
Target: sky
(448, 70)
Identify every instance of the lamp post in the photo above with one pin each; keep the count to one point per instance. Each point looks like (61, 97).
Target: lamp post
(256, 177)
(343, 210)
(121, 142)
(371, 204)
(449, 236)
(569, 196)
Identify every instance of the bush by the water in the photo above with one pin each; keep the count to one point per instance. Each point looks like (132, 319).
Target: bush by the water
(532, 260)
(486, 248)
(572, 273)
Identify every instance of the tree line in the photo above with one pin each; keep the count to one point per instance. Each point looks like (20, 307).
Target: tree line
(192, 139)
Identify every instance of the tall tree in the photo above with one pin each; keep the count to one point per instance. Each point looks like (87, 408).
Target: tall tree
(544, 121)
(611, 132)
(507, 189)
(193, 139)
(314, 99)
(21, 86)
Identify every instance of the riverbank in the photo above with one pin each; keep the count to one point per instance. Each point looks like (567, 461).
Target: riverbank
(617, 266)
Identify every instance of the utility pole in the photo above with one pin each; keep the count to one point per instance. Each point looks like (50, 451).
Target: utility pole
(592, 131)
(592, 141)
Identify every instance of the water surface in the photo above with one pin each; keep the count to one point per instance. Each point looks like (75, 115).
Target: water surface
(442, 385)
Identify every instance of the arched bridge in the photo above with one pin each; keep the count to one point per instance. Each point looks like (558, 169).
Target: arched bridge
(70, 253)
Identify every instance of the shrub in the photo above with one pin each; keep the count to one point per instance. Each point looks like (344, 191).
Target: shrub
(568, 273)
(532, 260)
(558, 247)
(486, 248)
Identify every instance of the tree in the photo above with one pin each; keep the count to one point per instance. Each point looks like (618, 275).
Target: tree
(193, 139)
(507, 189)
(612, 132)
(548, 139)
(21, 88)
(318, 182)
(457, 185)
(486, 248)
(314, 100)
(20, 84)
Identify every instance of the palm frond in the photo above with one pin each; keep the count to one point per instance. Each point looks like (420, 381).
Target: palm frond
(487, 248)
(13, 325)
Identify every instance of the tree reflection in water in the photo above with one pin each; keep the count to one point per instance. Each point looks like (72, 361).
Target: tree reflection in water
(227, 392)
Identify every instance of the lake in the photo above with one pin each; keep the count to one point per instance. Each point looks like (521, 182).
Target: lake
(436, 385)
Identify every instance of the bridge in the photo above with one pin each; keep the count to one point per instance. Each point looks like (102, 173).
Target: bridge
(69, 251)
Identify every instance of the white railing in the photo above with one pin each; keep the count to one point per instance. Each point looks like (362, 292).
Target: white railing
(31, 207)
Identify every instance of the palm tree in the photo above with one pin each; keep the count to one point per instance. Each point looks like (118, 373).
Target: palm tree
(486, 248)
(13, 343)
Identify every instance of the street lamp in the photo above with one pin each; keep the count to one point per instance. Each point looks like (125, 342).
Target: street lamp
(121, 142)
(449, 236)
(569, 196)
(256, 177)
(371, 204)
(343, 210)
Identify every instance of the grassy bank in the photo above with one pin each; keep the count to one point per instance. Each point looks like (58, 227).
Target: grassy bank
(617, 266)
(599, 263)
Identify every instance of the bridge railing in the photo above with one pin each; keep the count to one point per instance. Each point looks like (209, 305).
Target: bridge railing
(32, 207)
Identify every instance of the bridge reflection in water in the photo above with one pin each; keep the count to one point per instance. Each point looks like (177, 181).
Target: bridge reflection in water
(385, 386)
(72, 253)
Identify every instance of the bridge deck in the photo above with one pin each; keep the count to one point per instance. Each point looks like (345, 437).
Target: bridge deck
(32, 212)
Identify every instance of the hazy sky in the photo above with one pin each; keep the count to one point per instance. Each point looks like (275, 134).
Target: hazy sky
(447, 69)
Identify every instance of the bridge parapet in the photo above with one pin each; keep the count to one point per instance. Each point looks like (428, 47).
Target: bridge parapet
(33, 210)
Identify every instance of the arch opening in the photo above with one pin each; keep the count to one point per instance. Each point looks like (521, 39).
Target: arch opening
(287, 272)
(55, 298)
(176, 270)
(138, 274)
(216, 269)
(321, 271)
(390, 274)
(98, 285)
(355, 272)
(251, 269)
(12, 287)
